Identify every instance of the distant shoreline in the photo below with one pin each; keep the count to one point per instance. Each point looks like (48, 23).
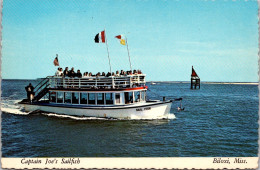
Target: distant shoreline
(239, 83)
(245, 83)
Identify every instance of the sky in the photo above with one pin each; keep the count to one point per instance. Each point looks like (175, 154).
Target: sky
(165, 38)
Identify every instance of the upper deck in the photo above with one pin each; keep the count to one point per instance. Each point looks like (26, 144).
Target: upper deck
(101, 82)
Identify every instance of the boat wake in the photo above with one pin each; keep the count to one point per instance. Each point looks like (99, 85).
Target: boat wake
(170, 116)
(11, 107)
(14, 111)
(74, 117)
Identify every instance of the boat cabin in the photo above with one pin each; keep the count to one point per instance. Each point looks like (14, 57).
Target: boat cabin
(97, 98)
(100, 91)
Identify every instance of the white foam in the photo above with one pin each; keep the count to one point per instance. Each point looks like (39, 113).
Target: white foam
(171, 116)
(167, 116)
(73, 117)
(14, 111)
(11, 106)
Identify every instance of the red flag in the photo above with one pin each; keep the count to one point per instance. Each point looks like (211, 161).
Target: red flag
(103, 36)
(100, 37)
(56, 61)
(118, 37)
(193, 73)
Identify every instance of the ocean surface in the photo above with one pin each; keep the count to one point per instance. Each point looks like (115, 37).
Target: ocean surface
(219, 120)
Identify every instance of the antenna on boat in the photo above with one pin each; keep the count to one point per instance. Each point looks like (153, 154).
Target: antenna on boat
(128, 54)
(108, 52)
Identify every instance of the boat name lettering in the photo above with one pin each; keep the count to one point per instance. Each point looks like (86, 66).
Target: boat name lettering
(146, 108)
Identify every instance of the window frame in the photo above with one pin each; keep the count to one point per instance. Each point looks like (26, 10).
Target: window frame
(81, 97)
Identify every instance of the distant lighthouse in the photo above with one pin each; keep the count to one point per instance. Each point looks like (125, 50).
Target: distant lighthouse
(195, 80)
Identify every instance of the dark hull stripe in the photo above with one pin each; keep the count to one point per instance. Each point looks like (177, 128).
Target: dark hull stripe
(96, 107)
(97, 90)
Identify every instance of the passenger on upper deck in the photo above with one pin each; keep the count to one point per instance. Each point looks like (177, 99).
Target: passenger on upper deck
(103, 74)
(59, 72)
(98, 74)
(108, 74)
(66, 72)
(139, 72)
(78, 74)
(90, 75)
(122, 73)
(85, 75)
(113, 74)
(71, 72)
(135, 72)
(117, 73)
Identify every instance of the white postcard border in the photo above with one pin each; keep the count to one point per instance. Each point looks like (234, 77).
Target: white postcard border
(133, 163)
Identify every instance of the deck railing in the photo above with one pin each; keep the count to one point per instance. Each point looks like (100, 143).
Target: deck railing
(111, 82)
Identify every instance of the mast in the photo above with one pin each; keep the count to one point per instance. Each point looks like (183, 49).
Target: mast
(108, 52)
(128, 54)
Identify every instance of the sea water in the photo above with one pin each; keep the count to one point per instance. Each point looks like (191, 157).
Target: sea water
(219, 120)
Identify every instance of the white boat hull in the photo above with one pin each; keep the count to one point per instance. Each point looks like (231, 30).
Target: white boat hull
(149, 110)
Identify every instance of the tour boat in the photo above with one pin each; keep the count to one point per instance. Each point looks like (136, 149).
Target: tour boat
(120, 97)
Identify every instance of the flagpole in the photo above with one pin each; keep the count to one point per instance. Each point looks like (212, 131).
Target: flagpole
(108, 51)
(128, 54)
(58, 60)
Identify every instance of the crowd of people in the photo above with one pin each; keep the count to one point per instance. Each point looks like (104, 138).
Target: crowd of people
(72, 74)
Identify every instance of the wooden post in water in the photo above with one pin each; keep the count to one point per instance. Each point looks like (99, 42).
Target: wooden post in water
(195, 80)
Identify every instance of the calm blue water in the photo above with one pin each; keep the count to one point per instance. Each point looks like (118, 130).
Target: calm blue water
(219, 120)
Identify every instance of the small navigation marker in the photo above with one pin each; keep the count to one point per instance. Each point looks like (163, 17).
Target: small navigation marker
(195, 80)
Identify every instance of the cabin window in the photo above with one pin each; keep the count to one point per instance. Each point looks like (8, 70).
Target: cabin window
(91, 98)
(137, 96)
(100, 98)
(117, 96)
(75, 98)
(60, 96)
(109, 98)
(142, 96)
(53, 96)
(128, 97)
(67, 97)
(83, 98)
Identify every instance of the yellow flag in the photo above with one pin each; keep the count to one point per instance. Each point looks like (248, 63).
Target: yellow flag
(122, 41)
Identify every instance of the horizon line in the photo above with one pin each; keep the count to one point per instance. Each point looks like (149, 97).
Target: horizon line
(178, 81)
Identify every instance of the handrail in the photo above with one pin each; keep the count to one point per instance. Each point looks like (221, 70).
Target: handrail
(42, 86)
(41, 82)
(97, 82)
